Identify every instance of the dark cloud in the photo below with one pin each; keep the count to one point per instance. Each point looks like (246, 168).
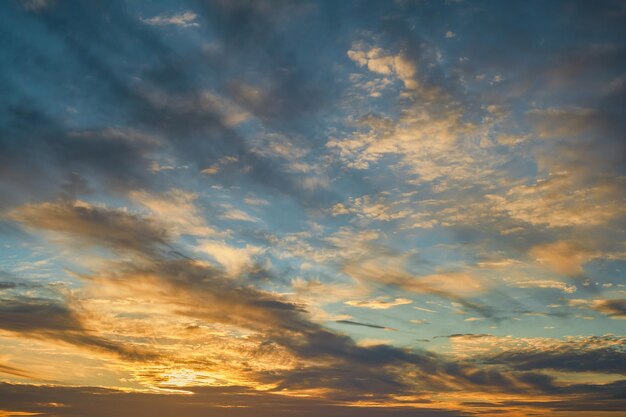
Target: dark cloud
(38, 154)
(10, 282)
(206, 402)
(597, 353)
(578, 398)
(345, 383)
(114, 229)
(613, 308)
(285, 72)
(465, 336)
(21, 373)
(235, 402)
(356, 323)
(5, 285)
(51, 320)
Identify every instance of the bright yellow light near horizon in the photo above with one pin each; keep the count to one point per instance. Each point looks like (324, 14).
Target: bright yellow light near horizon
(180, 378)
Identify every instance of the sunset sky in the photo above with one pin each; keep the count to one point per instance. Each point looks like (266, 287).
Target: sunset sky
(312, 208)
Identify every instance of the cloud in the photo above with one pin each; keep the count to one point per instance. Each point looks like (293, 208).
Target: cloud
(97, 225)
(563, 286)
(221, 163)
(56, 154)
(234, 259)
(6, 285)
(185, 19)
(238, 215)
(176, 210)
(563, 122)
(544, 203)
(356, 323)
(199, 291)
(424, 309)
(382, 62)
(50, 320)
(316, 295)
(473, 319)
(614, 308)
(578, 175)
(253, 201)
(391, 270)
(230, 401)
(339, 209)
(564, 257)
(210, 170)
(580, 354)
(379, 303)
(204, 294)
(369, 208)
(13, 371)
(232, 114)
(456, 286)
(432, 139)
(164, 99)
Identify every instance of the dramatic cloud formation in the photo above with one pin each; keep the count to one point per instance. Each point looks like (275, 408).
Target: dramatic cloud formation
(280, 208)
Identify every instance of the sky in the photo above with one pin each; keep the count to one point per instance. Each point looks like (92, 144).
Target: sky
(304, 208)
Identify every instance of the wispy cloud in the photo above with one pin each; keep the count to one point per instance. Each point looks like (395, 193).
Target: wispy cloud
(184, 19)
(614, 308)
(379, 303)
